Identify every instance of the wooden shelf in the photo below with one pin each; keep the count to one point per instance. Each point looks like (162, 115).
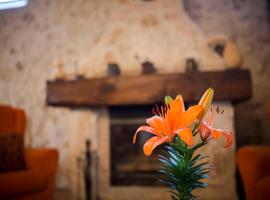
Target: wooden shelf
(230, 85)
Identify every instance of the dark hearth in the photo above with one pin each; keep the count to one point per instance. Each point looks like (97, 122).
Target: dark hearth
(129, 166)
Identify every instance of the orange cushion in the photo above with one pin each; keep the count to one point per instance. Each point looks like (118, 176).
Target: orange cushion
(19, 183)
(12, 120)
(262, 188)
(7, 119)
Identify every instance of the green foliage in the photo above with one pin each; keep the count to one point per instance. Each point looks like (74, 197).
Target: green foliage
(183, 170)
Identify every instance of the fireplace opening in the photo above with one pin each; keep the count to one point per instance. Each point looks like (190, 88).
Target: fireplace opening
(129, 165)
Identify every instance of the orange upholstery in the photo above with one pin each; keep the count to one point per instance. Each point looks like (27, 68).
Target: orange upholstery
(12, 120)
(254, 168)
(37, 182)
(22, 182)
(45, 161)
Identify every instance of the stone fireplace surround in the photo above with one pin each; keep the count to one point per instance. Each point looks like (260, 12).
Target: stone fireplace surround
(67, 93)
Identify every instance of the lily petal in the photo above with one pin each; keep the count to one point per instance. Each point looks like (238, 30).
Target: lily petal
(157, 123)
(176, 109)
(206, 101)
(177, 105)
(216, 133)
(188, 117)
(152, 143)
(186, 136)
(228, 136)
(144, 128)
(204, 130)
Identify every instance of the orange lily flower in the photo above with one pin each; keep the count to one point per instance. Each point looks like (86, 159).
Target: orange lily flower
(207, 131)
(170, 120)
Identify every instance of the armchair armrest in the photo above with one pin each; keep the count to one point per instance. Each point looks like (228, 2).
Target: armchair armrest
(254, 164)
(43, 160)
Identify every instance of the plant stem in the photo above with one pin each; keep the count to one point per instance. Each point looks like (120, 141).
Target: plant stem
(182, 171)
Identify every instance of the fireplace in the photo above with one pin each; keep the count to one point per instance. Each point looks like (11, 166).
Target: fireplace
(129, 166)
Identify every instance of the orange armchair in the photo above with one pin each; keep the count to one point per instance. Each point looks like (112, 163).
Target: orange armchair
(37, 181)
(254, 167)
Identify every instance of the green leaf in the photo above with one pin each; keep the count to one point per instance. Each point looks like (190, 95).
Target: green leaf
(182, 170)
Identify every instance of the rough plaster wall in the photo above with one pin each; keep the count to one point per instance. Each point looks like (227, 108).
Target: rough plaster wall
(34, 38)
(247, 22)
(159, 31)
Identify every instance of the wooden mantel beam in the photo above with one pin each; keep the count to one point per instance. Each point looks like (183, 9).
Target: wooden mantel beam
(230, 85)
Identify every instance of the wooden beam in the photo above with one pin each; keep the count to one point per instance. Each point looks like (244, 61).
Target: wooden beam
(229, 85)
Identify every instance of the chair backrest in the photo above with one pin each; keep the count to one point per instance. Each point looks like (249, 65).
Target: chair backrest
(12, 120)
